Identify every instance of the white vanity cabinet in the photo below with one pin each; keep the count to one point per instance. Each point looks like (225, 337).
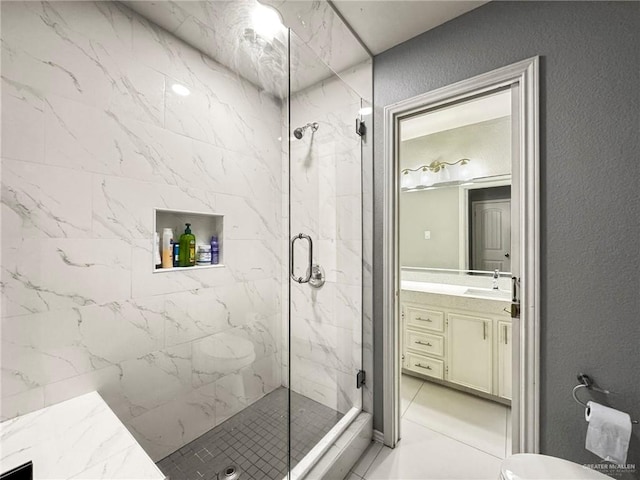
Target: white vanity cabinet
(505, 350)
(461, 342)
(470, 351)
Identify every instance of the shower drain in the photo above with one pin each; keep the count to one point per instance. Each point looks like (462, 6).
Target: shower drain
(229, 473)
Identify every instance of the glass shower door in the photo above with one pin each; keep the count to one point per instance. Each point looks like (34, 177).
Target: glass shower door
(325, 253)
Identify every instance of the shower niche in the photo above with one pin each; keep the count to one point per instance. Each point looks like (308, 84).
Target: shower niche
(203, 226)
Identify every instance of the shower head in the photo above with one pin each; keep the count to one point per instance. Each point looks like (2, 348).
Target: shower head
(299, 132)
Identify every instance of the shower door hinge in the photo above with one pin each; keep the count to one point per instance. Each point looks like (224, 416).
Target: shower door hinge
(361, 128)
(360, 377)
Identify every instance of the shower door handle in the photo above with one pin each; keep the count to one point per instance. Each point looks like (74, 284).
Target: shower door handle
(292, 256)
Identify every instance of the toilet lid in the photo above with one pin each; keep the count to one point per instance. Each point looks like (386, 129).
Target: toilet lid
(528, 466)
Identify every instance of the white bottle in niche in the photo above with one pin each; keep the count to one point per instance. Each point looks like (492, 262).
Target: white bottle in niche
(167, 248)
(157, 260)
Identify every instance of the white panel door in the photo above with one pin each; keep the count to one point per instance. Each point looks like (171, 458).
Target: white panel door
(470, 351)
(492, 235)
(504, 359)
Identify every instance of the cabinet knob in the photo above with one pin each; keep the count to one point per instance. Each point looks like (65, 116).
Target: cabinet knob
(424, 319)
(420, 342)
(423, 366)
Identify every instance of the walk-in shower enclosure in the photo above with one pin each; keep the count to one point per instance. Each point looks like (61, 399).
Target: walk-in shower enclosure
(121, 119)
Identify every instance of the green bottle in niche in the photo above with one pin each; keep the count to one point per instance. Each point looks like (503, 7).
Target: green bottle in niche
(187, 253)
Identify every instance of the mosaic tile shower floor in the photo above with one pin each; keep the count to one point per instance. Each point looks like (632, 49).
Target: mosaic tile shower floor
(254, 440)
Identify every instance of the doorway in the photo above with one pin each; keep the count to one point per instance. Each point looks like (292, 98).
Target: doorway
(489, 225)
(485, 350)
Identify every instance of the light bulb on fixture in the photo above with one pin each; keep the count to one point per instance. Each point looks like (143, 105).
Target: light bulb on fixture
(405, 181)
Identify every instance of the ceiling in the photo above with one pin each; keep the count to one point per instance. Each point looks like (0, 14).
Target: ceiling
(477, 110)
(383, 24)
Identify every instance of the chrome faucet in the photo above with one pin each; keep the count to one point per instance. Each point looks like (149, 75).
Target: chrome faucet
(496, 276)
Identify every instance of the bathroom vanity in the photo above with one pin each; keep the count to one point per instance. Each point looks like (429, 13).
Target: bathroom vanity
(458, 336)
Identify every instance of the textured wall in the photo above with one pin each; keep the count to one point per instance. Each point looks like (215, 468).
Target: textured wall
(93, 138)
(589, 110)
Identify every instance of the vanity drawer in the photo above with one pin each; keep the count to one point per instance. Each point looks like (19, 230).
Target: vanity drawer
(424, 342)
(425, 365)
(424, 318)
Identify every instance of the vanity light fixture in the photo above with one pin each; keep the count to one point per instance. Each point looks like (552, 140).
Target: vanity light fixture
(407, 184)
(435, 166)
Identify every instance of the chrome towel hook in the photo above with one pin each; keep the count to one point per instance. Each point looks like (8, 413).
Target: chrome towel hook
(586, 382)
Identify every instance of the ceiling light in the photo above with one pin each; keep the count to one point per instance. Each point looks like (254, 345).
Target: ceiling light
(266, 21)
(180, 89)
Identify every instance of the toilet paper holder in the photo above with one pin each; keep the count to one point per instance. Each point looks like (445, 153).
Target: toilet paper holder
(586, 382)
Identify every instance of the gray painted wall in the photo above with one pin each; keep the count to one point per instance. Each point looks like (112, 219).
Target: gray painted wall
(590, 73)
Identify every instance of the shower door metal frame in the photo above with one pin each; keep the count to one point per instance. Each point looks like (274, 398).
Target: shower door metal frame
(524, 78)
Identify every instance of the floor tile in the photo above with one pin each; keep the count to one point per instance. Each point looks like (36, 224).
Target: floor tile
(255, 440)
(472, 420)
(424, 454)
(409, 387)
(367, 459)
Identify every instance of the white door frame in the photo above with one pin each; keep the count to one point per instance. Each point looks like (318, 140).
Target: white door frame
(523, 78)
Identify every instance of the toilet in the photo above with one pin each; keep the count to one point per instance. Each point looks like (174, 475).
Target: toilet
(529, 466)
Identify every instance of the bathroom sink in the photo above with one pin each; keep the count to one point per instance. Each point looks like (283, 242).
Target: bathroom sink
(488, 293)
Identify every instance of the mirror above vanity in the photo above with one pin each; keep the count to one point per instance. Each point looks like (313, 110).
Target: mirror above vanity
(455, 187)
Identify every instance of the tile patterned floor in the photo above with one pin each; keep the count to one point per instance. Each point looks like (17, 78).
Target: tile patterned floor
(254, 440)
(441, 440)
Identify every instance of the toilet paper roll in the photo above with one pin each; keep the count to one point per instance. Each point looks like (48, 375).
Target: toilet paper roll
(608, 433)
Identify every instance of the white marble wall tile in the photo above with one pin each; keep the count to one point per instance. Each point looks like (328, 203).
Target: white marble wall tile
(44, 201)
(44, 46)
(105, 381)
(349, 217)
(21, 403)
(224, 353)
(237, 391)
(324, 344)
(253, 259)
(152, 46)
(324, 384)
(247, 218)
(206, 118)
(165, 429)
(22, 122)
(85, 137)
(195, 314)
(44, 348)
(348, 267)
(156, 378)
(94, 272)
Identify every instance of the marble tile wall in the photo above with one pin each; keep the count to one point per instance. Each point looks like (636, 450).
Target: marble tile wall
(93, 139)
(326, 203)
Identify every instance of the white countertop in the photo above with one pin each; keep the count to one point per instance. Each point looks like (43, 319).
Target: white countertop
(457, 290)
(80, 438)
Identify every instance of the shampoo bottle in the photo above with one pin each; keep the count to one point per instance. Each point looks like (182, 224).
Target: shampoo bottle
(215, 251)
(187, 251)
(167, 248)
